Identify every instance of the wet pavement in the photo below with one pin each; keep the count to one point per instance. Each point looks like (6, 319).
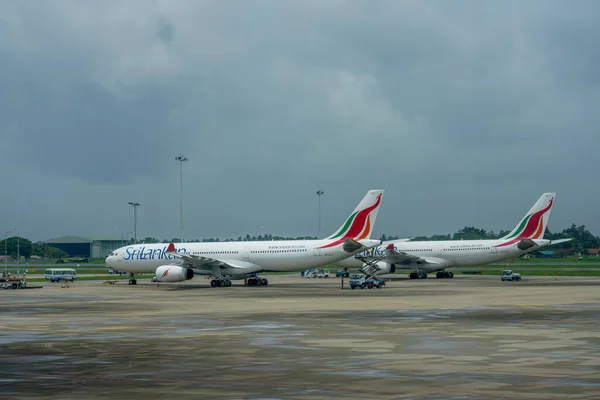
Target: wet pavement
(468, 338)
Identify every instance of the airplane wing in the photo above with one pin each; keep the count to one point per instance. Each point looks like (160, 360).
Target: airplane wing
(198, 262)
(393, 256)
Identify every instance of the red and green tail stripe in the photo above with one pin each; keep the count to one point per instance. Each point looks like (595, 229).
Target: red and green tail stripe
(532, 227)
(359, 223)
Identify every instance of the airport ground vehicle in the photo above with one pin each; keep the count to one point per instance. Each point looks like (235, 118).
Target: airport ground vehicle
(342, 273)
(13, 281)
(509, 275)
(60, 274)
(321, 273)
(361, 281)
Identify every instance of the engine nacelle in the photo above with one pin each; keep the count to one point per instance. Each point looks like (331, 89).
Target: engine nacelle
(386, 268)
(381, 269)
(173, 273)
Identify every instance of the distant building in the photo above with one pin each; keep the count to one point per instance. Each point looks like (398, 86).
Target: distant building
(593, 252)
(546, 254)
(86, 246)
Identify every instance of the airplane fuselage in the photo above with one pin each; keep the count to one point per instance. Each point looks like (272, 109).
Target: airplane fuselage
(249, 257)
(447, 254)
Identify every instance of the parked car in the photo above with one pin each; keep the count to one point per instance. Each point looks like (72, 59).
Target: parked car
(324, 273)
(360, 281)
(509, 275)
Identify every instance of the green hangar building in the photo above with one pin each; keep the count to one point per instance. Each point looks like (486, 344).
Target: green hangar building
(86, 246)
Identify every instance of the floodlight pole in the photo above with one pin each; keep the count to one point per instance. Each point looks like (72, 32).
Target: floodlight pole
(135, 205)
(319, 194)
(181, 160)
(6, 249)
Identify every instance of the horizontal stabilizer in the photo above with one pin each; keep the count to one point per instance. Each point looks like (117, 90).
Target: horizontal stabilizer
(352, 246)
(526, 244)
(557, 241)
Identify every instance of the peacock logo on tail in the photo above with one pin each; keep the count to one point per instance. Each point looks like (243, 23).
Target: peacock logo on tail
(530, 227)
(358, 226)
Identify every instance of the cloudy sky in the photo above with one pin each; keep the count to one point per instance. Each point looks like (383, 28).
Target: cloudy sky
(465, 112)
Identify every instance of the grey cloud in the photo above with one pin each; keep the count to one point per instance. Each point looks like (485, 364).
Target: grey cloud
(463, 111)
(166, 30)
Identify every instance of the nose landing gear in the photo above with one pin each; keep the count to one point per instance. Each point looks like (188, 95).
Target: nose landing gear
(132, 280)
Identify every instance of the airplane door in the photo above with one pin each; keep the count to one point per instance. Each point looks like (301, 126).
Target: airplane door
(246, 253)
(121, 257)
(439, 250)
(316, 252)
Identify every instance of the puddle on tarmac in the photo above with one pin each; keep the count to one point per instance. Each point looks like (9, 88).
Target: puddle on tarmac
(437, 343)
(35, 359)
(366, 373)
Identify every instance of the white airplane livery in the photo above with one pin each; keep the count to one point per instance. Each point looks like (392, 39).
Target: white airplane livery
(226, 261)
(423, 257)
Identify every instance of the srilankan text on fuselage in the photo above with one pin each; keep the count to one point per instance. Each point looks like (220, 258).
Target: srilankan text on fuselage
(143, 253)
(132, 253)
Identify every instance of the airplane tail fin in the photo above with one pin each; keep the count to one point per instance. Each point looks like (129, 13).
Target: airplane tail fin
(360, 223)
(534, 224)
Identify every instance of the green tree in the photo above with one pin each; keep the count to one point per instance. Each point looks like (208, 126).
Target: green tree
(385, 238)
(53, 252)
(17, 244)
(582, 238)
(470, 233)
(39, 249)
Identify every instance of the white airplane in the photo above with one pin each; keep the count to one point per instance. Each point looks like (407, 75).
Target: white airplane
(423, 257)
(225, 261)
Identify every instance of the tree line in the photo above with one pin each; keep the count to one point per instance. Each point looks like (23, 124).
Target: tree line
(23, 247)
(582, 239)
(246, 238)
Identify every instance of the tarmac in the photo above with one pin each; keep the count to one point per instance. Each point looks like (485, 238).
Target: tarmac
(472, 337)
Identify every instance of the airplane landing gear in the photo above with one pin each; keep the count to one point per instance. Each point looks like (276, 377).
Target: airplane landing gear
(417, 275)
(444, 275)
(132, 280)
(257, 281)
(220, 282)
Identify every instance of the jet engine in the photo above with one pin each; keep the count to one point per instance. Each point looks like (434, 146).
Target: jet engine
(173, 273)
(386, 268)
(381, 268)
